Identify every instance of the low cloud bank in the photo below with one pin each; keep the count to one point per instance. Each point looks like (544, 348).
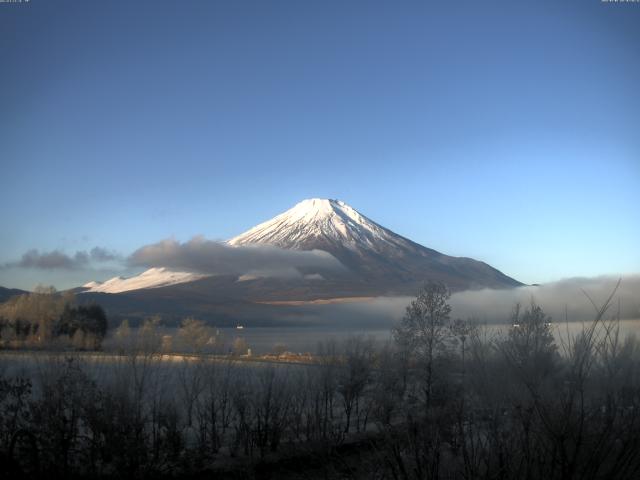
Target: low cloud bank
(565, 297)
(209, 257)
(490, 306)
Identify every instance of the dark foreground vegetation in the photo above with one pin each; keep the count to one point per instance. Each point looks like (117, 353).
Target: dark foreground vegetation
(445, 400)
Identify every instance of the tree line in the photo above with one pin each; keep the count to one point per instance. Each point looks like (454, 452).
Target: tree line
(446, 399)
(47, 318)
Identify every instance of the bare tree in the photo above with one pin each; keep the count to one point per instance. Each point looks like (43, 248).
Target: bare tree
(424, 329)
(240, 346)
(194, 334)
(325, 390)
(148, 338)
(353, 376)
(530, 347)
(214, 409)
(191, 384)
(122, 336)
(389, 384)
(461, 330)
(271, 403)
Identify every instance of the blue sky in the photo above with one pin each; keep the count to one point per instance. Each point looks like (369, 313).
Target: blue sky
(505, 131)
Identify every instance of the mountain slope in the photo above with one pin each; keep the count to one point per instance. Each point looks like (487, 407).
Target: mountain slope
(152, 278)
(7, 293)
(378, 262)
(371, 252)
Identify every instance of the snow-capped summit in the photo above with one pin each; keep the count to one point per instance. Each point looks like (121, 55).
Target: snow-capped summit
(317, 220)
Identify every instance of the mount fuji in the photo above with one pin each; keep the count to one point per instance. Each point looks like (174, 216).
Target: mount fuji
(376, 262)
(368, 250)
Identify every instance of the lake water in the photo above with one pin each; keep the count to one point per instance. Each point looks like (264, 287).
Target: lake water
(306, 339)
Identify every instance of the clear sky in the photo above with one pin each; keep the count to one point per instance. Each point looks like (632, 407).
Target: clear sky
(501, 130)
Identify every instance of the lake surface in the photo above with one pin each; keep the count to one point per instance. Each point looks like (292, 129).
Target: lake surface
(307, 338)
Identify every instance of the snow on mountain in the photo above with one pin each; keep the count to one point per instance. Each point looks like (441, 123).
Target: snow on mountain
(152, 278)
(324, 221)
(371, 252)
(376, 259)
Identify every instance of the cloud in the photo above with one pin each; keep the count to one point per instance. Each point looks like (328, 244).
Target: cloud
(51, 260)
(487, 306)
(210, 257)
(564, 297)
(100, 254)
(58, 260)
(313, 276)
